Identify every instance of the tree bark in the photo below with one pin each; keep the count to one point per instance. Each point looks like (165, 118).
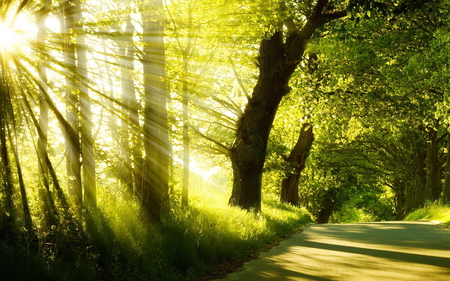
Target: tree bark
(446, 196)
(8, 211)
(72, 134)
(433, 168)
(327, 206)
(278, 59)
(186, 139)
(297, 159)
(132, 176)
(87, 141)
(185, 101)
(41, 18)
(156, 133)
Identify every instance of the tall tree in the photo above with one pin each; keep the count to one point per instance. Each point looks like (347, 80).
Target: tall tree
(279, 55)
(156, 132)
(87, 141)
(130, 109)
(71, 132)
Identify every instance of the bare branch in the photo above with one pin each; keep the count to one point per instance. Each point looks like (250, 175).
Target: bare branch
(238, 78)
(223, 148)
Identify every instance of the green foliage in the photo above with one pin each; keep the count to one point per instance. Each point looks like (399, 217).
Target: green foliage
(433, 212)
(349, 214)
(118, 245)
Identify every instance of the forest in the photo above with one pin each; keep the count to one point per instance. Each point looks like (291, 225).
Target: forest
(162, 139)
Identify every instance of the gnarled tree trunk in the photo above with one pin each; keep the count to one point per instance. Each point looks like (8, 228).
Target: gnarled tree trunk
(297, 159)
(279, 56)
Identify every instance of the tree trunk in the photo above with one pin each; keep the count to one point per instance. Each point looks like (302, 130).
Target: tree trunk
(433, 168)
(186, 139)
(48, 207)
(278, 58)
(297, 160)
(327, 206)
(400, 200)
(185, 101)
(446, 196)
(41, 18)
(8, 211)
(156, 134)
(130, 128)
(87, 141)
(72, 135)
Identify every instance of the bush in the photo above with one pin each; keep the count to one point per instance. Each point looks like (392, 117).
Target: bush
(434, 212)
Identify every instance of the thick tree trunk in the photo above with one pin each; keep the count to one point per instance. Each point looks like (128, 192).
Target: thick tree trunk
(297, 160)
(327, 206)
(278, 58)
(249, 149)
(156, 134)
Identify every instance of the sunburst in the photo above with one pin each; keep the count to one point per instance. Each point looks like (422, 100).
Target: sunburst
(8, 37)
(15, 32)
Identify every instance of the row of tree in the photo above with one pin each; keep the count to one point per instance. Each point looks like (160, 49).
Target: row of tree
(353, 95)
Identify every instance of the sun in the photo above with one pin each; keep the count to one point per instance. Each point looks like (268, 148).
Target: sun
(9, 37)
(15, 32)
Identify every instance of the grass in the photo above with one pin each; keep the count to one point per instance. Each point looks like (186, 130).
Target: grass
(117, 245)
(432, 212)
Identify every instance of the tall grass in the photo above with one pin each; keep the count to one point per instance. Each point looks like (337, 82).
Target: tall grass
(431, 212)
(188, 243)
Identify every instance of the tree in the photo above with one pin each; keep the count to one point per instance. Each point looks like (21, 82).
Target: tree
(156, 132)
(87, 141)
(130, 109)
(297, 160)
(279, 55)
(72, 134)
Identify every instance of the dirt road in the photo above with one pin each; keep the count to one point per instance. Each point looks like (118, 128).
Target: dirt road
(391, 251)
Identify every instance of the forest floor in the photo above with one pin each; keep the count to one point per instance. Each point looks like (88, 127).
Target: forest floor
(363, 251)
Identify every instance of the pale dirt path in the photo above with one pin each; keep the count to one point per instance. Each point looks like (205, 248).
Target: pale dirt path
(393, 251)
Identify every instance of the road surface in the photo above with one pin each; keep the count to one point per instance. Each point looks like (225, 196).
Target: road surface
(393, 251)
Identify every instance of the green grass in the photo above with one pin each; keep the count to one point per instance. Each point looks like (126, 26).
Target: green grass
(433, 212)
(118, 245)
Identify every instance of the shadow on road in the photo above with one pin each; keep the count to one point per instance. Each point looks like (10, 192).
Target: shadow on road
(400, 251)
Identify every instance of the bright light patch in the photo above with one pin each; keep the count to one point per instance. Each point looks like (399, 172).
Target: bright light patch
(13, 34)
(8, 38)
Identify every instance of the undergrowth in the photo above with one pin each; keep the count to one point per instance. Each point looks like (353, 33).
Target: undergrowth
(432, 212)
(117, 245)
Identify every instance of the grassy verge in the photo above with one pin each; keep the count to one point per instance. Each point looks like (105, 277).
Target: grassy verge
(433, 212)
(116, 245)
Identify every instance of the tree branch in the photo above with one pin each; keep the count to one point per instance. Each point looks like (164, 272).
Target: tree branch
(225, 149)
